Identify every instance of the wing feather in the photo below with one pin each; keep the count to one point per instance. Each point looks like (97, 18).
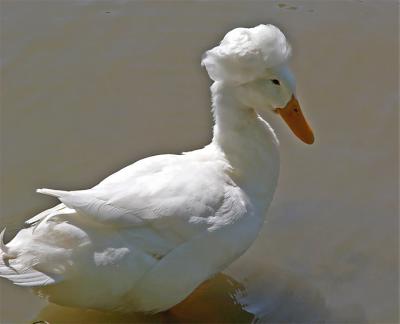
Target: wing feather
(178, 193)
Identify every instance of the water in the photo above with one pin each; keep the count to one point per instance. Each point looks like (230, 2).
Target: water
(88, 87)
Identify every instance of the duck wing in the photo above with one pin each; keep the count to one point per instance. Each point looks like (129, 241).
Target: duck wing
(172, 193)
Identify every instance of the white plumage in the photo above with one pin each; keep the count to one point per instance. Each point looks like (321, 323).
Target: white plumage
(245, 53)
(145, 237)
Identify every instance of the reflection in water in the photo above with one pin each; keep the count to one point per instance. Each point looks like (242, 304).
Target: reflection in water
(269, 296)
(283, 298)
(214, 301)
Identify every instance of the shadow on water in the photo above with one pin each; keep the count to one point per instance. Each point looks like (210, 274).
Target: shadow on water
(268, 296)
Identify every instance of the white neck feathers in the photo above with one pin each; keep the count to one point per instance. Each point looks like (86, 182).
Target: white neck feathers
(247, 141)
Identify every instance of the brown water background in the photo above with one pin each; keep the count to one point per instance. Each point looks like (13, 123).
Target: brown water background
(88, 87)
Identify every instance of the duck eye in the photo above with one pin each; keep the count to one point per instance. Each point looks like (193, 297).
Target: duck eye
(275, 81)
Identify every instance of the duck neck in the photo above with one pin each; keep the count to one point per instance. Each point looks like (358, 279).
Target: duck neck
(246, 140)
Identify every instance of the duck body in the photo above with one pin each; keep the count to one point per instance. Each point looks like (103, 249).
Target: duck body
(145, 237)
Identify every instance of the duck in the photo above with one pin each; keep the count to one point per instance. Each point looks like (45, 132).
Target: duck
(144, 238)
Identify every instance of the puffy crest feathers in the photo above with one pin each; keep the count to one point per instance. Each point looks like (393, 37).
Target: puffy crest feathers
(245, 53)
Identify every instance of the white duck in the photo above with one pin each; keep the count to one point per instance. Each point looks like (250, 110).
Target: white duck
(145, 237)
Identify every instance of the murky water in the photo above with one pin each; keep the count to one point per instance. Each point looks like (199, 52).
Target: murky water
(88, 87)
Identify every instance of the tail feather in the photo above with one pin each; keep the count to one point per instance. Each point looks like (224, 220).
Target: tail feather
(59, 209)
(3, 247)
(28, 277)
(52, 192)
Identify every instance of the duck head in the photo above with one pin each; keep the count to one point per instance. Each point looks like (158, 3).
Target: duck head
(254, 62)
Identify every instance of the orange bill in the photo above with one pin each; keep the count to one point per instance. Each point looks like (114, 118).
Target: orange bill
(294, 117)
